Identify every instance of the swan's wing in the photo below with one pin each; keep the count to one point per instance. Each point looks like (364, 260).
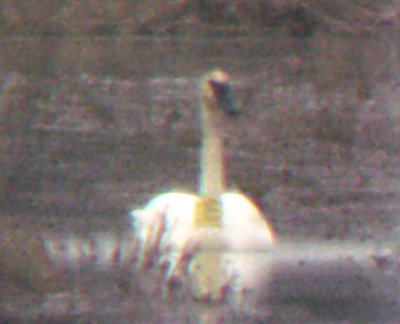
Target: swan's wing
(245, 225)
(162, 229)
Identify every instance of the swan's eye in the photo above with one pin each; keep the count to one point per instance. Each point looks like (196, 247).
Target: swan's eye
(223, 97)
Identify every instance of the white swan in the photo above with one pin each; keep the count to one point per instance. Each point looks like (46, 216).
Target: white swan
(210, 224)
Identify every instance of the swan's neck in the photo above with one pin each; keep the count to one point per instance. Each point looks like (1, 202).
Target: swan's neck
(212, 178)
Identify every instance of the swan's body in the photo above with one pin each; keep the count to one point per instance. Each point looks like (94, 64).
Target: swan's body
(166, 226)
(218, 228)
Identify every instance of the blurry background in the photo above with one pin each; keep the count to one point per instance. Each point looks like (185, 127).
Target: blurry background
(98, 114)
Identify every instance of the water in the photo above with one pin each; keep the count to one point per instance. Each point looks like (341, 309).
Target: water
(110, 122)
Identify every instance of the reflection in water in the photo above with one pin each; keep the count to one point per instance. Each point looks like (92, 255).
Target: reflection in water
(307, 281)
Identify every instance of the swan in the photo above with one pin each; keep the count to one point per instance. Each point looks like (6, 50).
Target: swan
(207, 225)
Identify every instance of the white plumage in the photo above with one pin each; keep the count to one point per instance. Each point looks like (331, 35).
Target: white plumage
(220, 232)
(166, 228)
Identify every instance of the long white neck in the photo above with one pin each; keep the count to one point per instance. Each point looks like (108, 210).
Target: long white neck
(212, 178)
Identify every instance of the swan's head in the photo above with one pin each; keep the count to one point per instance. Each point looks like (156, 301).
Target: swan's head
(216, 93)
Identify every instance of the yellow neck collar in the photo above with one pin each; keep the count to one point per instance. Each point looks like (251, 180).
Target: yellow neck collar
(208, 213)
